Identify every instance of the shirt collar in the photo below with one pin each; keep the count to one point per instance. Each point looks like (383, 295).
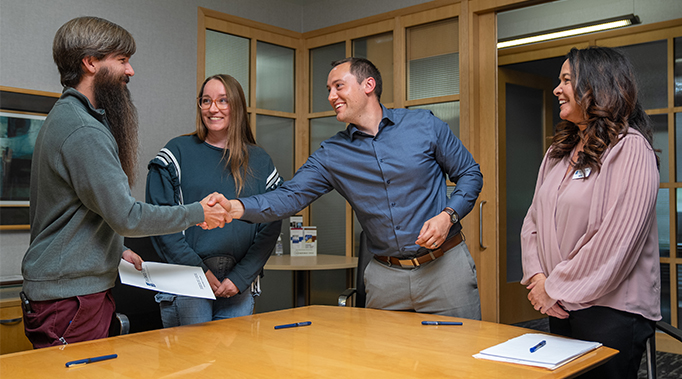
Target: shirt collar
(386, 119)
(97, 113)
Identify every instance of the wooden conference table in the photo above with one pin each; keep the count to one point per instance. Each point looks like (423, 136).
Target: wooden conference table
(302, 265)
(342, 342)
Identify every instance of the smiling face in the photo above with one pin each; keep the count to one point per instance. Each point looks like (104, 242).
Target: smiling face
(570, 110)
(216, 120)
(347, 97)
(117, 65)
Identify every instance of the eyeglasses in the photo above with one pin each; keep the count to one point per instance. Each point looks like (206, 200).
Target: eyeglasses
(206, 102)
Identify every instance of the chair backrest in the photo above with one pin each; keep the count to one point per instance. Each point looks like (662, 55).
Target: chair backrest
(651, 346)
(364, 256)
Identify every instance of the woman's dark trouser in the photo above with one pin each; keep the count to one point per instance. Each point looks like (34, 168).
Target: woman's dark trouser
(626, 332)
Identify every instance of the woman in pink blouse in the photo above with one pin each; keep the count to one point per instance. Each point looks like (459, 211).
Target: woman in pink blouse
(589, 240)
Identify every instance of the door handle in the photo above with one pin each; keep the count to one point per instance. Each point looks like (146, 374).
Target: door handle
(11, 321)
(480, 224)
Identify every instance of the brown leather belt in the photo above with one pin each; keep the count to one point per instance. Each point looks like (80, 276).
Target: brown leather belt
(426, 257)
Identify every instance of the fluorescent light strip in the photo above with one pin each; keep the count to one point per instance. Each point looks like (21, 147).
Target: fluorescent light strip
(564, 33)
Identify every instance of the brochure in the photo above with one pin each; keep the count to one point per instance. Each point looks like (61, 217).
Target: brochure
(165, 277)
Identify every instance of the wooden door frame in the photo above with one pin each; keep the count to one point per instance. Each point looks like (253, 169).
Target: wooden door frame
(513, 304)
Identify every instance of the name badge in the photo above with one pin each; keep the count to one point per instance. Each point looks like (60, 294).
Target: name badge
(582, 174)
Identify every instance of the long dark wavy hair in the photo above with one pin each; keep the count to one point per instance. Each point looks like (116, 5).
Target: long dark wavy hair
(239, 134)
(605, 89)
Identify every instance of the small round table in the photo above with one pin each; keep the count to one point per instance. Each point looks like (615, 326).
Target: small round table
(302, 265)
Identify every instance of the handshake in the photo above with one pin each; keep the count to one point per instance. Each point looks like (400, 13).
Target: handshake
(218, 211)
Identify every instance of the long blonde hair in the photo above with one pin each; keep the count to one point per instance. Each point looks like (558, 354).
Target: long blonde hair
(239, 134)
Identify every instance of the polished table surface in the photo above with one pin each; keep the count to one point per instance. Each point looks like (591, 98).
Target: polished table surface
(341, 343)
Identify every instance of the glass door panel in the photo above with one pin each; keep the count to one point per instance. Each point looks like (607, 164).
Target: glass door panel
(448, 112)
(660, 126)
(320, 64)
(276, 136)
(525, 149)
(663, 221)
(379, 50)
(328, 214)
(650, 63)
(433, 59)
(228, 54)
(678, 147)
(665, 292)
(678, 72)
(275, 77)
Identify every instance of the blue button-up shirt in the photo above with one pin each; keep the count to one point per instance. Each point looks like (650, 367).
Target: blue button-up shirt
(395, 181)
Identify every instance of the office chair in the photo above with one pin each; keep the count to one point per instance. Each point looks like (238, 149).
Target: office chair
(120, 325)
(364, 256)
(651, 346)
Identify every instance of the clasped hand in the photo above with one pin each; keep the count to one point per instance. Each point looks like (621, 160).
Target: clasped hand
(215, 214)
(541, 300)
(224, 289)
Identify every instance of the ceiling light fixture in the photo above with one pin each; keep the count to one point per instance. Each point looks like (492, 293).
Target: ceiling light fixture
(597, 26)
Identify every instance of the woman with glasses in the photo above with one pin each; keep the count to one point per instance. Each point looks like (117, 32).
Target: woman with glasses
(220, 156)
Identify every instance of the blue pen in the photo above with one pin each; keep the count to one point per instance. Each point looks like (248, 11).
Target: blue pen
(91, 360)
(538, 346)
(305, 323)
(441, 323)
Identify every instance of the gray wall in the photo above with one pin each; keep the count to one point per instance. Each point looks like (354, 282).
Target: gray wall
(164, 85)
(165, 65)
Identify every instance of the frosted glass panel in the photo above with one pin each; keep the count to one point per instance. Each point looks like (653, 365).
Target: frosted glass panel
(448, 112)
(320, 65)
(665, 292)
(678, 77)
(678, 207)
(660, 125)
(379, 50)
(433, 59)
(275, 86)
(328, 213)
(524, 128)
(679, 295)
(434, 76)
(663, 221)
(276, 136)
(228, 54)
(678, 146)
(650, 61)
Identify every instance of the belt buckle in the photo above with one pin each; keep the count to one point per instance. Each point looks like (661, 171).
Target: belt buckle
(409, 263)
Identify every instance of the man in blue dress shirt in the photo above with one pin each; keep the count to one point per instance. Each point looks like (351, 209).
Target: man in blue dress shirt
(391, 166)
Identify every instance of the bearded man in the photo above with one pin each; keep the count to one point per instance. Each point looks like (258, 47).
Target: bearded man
(80, 203)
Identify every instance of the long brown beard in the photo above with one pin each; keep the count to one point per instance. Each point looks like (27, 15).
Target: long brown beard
(112, 95)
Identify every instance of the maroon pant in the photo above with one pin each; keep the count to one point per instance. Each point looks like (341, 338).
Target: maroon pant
(76, 319)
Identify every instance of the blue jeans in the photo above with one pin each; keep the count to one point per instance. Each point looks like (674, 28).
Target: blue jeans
(183, 310)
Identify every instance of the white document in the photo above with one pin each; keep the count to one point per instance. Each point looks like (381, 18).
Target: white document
(165, 277)
(556, 351)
